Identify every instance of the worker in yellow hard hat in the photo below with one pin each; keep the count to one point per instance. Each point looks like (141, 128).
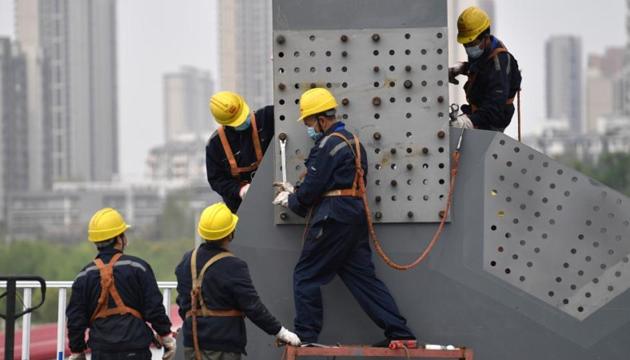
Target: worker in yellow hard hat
(114, 292)
(336, 241)
(235, 150)
(493, 75)
(215, 292)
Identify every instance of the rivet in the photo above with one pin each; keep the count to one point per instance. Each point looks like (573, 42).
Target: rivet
(409, 166)
(409, 150)
(313, 85)
(344, 38)
(377, 136)
(394, 182)
(376, 101)
(377, 199)
(344, 53)
(280, 39)
(441, 134)
(441, 214)
(282, 136)
(281, 86)
(408, 68)
(425, 150)
(393, 151)
(440, 99)
(376, 37)
(410, 214)
(408, 84)
(284, 216)
(378, 215)
(376, 69)
(345, 101)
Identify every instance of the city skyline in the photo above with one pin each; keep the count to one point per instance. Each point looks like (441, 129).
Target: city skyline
(141, 61)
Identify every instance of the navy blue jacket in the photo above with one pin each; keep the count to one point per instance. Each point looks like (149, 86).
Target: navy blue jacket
(330, 166)
(217, 166)
(226, 285)
(496, 80)
(136, 284)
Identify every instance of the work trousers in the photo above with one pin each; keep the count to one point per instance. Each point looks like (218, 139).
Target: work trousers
(334, 248)
(122, 355)
(189, 354)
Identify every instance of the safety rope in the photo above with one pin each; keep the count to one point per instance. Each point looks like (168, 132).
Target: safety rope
(377, 245)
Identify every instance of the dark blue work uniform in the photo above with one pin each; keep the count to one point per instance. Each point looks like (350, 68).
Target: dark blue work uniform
(226, 285)
(493, 82)
(217, 166)
(336, 242)
(117, 336)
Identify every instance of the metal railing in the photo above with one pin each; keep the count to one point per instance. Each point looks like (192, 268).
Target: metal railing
(63, 286)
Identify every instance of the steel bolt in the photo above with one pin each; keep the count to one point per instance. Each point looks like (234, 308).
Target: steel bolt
(378, 215)
(441, 134)
(345, 102)
(282, 136)
(376, 136)
(344, 38)
(440, 99)
(377, 199)
(408, 84)
(393, 151)
(376, 101)
(409, 166)
(441, 214)
(376, 69)
(280, 39)
(410, 214)
(394, 183)
(425, 150)
(344, 53)
(281, 86)
(313, 85)
(408, 68)
(409, 150)
(376, 37)
(284, 216)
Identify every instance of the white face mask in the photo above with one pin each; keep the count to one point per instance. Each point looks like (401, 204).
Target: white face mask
(474, 51)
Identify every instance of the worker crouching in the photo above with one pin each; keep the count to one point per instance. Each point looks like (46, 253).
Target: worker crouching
(115, 296)
(216, 293)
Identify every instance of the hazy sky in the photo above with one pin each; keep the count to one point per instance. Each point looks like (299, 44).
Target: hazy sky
(158, 36)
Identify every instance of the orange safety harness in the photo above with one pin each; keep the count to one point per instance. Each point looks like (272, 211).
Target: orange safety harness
(198, 306)
(108, 288)
(358, 190)
(235, 170)
(509, 101)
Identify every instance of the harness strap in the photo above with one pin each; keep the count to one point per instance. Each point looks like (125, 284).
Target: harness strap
(472, 77)
(108, 288)
(235, 170)
(355, 191)
(198, 306)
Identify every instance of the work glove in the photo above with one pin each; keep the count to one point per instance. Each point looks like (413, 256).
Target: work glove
(282, 199)
(454, 71)
(169, 344)
(243, 191)
(463, 122)
(288, 337)
(284, 186)
(77, 356)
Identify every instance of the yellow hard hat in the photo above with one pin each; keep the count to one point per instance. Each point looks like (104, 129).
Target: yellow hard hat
(315, 101)
(106, 224)
(229, 108)
(216, 222)
(472, 22)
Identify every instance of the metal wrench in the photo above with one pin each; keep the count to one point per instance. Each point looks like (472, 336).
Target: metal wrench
(283, 155)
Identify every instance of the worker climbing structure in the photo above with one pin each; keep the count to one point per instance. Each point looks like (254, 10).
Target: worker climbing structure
(533, 261)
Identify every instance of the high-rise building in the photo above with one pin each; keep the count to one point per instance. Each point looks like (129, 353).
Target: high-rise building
(623, 86)
(74, 105)
(563, 62)
(602, 75)
(186, 95)
(13, 122)
(245, 49)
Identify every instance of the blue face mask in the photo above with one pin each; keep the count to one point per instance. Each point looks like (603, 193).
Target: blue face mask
(474, 52)
(244, 126)
(313, 134)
